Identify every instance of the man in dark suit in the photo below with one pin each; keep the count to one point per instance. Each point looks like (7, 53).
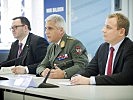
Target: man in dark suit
(32, 51)
(99, 71)
(65, 55)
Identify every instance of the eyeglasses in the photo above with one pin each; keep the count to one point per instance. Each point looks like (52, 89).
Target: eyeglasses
(16, 26)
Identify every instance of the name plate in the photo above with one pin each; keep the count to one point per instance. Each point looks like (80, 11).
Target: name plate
(24, 81)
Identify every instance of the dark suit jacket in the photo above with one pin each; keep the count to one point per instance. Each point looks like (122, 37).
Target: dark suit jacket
(33, 53)
(122, 68)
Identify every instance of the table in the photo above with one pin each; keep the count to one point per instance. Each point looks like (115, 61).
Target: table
(77, 92)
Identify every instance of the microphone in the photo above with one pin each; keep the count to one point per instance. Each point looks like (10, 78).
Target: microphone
(9, 61)
(48, 85)
(6, 62)
(12, 60)
(15, 59)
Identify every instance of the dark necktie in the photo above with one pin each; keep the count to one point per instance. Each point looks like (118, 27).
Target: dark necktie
(19, 49)
(55, 48)
(109, 69)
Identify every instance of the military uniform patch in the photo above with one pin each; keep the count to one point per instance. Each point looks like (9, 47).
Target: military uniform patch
(78, 49)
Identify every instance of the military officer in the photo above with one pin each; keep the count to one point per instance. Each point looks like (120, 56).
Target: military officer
(65, 55)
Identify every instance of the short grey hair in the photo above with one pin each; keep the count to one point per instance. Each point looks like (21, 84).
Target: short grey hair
(58, 19)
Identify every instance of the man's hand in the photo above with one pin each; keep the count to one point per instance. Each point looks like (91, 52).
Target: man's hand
(19, 70)
(78, 79)
(45, 72)
(56, 73)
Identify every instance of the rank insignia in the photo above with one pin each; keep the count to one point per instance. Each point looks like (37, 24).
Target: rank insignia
(62, 44)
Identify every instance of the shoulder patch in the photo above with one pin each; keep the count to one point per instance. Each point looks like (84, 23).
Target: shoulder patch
(78, 50)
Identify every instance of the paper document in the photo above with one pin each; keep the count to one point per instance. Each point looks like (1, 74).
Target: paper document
(6, 70)
(24, 81)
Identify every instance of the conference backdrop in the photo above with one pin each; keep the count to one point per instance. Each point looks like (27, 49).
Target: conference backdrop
(87, 21)
(54, 7)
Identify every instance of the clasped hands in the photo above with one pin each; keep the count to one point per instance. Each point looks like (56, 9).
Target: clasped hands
(55, 73)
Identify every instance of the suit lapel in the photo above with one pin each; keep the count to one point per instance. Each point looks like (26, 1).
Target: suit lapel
(26, 46)
(25, 49)
(15, 50)
(117, 56)
(120, 50)
(104, 58)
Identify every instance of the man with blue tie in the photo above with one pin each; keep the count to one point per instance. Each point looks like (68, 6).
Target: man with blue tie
(113, 61)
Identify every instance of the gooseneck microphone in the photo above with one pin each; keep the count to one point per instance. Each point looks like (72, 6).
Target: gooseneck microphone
(15, 59)
(10, 61)
(6, 62)
(47, 85)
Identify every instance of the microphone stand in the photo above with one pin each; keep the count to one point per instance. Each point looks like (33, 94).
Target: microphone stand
(3, 78)
(47, 85)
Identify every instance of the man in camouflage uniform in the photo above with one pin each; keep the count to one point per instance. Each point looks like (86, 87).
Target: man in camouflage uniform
(65, 55)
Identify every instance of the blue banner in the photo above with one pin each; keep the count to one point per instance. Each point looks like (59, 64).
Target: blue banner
(55, 7)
